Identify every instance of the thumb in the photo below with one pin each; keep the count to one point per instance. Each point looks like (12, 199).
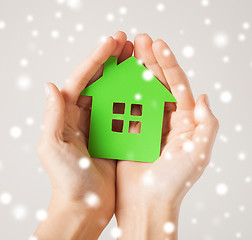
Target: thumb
(206, 129)
(202, 111)
(54, 113)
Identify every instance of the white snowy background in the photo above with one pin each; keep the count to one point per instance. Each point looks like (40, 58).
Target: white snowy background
(42, 40)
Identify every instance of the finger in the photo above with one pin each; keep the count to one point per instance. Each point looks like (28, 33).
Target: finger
(143, 51)
(86, 70)
(120, 38)
(206, 129)
(126, 52)
(174, 75)
(122, 48)
(53, 124)
(85, 101)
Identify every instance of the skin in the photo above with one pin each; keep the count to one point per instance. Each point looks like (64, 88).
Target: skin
(141, 207)
(150, 194)
(63, 143)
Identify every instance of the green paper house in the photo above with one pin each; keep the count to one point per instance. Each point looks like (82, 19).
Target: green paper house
(121, 89)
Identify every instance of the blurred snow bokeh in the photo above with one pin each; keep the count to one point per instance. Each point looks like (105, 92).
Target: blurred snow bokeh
(44, 41)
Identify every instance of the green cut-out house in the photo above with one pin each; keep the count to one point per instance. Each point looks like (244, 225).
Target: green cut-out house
(121, 89)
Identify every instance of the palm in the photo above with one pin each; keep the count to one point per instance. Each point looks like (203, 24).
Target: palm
(163, 173)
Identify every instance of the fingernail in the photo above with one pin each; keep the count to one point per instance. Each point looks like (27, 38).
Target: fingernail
(47, 90)
(207, 100)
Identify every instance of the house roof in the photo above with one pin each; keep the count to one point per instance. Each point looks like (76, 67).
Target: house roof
(131, 80)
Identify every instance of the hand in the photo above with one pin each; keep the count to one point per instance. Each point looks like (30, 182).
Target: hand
(151, 193)
(83, 188)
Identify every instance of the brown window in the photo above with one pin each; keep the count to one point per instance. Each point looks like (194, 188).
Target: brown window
(118, 108)
(117, 125)
(136, 109)
(135, 127)
(118, 121)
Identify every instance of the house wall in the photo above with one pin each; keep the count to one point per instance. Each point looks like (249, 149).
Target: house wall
(105, 143)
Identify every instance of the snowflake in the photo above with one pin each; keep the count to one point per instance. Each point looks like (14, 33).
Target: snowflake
(225, 59)
(133, 30)
(181, 32)
(40, 52)
(33, 238)
(226, 215)
(248, 179)
(242, 208)
(67, 59)
(79, 27)
(238, 127)
(147, 75)
(181, 87)
(188, 184)
(241, 37)
(188, 146)
(238, 235)
(103, 38)
(70, 39)
(160, 7)
(169, 227)
(207, 21)
(223, 138)
(217, 85)
(84, 163)
(221, 40)
(116, 232)
(221, 189)
(110, 17)
(123, 10)
(2, 24)
(29, 121)
(35, 33)
(138, 96)
(194, 220)
(5, 198)
(140, 62)
(188, 51)
(211, 164)
(205, 3)
(148, 178)
(226, 96)
(24, 82)
(92, 200)
(15, 132)
(58, 14)
(190, 73)
(19, 212)
(241, 156)
(168, 155)
(24, 62)
(55, 34)
(41, 215)
(246, 25)
(74, 4)
(29, 18)
(166, 52)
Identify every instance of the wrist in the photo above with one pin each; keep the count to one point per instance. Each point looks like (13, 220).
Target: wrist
(71, 220)
(152, 221)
